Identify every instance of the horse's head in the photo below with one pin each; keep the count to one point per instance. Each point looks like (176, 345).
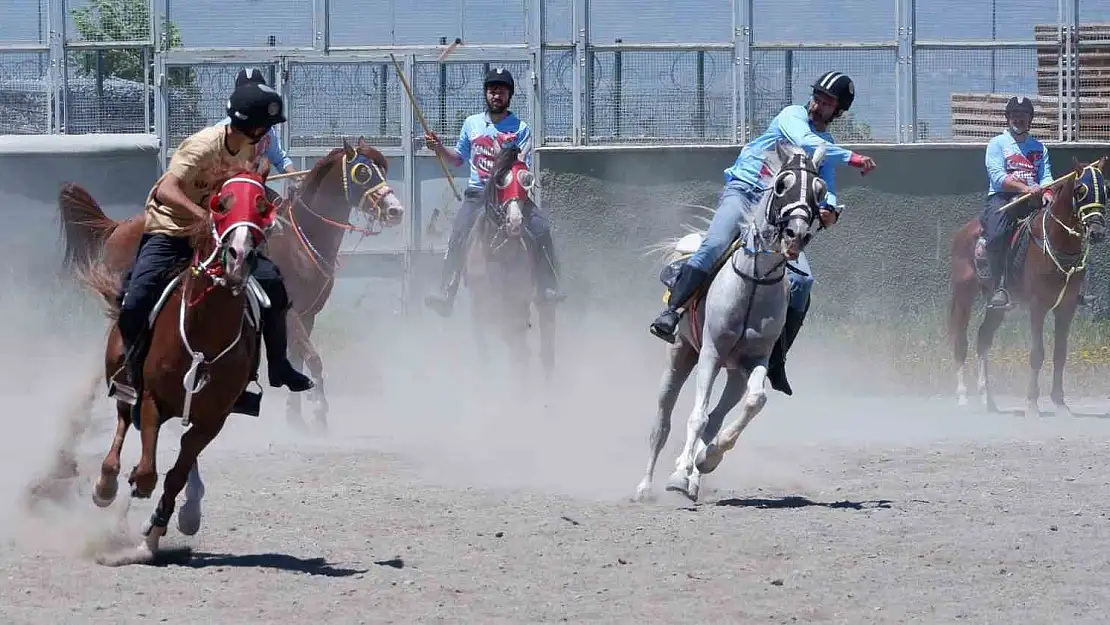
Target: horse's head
(1087, 190)
(364, 170)
(509, 190)
(241, 214)
(796, 196)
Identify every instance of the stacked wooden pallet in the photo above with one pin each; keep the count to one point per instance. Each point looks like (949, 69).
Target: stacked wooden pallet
(980, 115)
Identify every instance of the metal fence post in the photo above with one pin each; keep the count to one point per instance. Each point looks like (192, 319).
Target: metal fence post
(741, 68)
(536, 17)
(906, 81)
(160, 79)
(321, 28)
(581, 26)
(55, 29)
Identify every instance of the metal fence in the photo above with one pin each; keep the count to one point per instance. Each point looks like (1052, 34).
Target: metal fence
(601, 71)
(590, 72)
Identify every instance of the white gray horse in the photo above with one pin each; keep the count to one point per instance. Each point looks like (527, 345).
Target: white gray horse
(736, 321)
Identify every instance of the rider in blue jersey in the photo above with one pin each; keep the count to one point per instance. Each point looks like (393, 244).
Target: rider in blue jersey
(1016, 163)
(270, 144)
(480, 141)
(745, 183)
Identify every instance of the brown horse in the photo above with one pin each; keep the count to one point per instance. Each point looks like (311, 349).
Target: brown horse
(1047, 276)
(500, 271)
(305, 249)
(201, 352)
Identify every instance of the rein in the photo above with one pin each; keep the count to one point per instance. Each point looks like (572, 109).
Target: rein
(1077, 262)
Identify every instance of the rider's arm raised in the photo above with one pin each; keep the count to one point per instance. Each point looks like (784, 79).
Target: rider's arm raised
(797, 131)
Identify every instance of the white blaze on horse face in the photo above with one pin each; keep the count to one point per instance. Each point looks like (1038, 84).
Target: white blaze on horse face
(239, 246)
(515, 216)
(394, 209)
(794, 235)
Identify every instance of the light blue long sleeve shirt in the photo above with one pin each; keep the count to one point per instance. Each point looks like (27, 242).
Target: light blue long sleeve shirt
(480, 141)
(1026, 161)
(271, 147)
(791, 125)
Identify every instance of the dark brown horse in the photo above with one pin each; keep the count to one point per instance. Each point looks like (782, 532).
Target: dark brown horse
(500, 269)
(305, 249)
(202, 348)
(1046, 276)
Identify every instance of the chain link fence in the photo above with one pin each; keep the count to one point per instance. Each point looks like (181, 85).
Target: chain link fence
(594, 72)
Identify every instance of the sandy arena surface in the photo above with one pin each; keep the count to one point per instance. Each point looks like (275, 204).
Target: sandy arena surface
(465, 503)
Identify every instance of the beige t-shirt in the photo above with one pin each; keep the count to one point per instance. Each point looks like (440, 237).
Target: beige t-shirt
(199, 162)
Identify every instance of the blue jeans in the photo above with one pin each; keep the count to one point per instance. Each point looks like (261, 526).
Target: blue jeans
(735, 208)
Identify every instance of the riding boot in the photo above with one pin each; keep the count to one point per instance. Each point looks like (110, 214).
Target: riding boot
(444, 301)
(776, 366)
(249, 402)
(1000, 298)
(135, 337)
(548, 269)
(688, 281)
(280, 370)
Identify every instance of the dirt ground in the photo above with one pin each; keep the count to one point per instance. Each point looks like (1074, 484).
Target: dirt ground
(438, 495)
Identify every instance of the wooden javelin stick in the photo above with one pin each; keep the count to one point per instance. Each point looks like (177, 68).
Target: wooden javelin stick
(424, 124)
(1025, 196)
(296, 174)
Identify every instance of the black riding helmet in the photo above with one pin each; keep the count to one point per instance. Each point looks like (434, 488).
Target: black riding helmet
(255, 105)
(500, 76)
(246, 76)
(1019, 104)
(836, 85)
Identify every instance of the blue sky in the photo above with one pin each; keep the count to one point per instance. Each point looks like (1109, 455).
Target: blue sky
(657, 86)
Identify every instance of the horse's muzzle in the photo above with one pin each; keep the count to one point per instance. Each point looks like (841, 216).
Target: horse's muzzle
(394, 210)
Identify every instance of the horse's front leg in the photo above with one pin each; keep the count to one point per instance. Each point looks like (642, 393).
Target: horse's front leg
(992, 319)
(683, 479)
(1037, 312)
(302, 329)
(193, 443)
(1063, 320)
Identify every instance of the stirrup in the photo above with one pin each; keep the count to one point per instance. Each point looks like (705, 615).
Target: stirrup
(122, 392)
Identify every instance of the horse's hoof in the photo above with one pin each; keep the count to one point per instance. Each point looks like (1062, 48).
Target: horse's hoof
(709, 458)
(188, 520)
(103, 497)
(1033, 410)
(678, 483)
(961, 401)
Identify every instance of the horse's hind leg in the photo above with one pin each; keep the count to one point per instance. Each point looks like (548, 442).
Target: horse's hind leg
(683, 357)
(193, 443)
(963, 297)
(1060, 357)
(754, 401)
(107, 486)
(314, 363)
(144, 477)
(991, 322)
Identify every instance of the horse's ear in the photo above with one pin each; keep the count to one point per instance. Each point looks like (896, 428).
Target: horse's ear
(1076, 166)
(819, 155)
(782, 152)
(348, 150)
(362, 144)
(1102, 164)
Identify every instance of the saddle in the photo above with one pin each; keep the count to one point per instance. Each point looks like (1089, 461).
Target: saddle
(684, 249)
(256, 300)
(1017, 249)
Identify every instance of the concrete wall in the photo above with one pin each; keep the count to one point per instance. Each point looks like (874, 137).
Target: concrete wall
(887, 258)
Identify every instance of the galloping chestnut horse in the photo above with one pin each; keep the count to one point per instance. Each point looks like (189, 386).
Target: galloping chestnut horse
(203, 343)
(306, 251)
(500, 271)
(1046, 276)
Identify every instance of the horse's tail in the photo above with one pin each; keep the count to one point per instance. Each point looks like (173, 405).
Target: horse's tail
(102, 281)
(84, 226)
(666, 248)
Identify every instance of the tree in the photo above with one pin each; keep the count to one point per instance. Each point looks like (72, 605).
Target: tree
(124, 20)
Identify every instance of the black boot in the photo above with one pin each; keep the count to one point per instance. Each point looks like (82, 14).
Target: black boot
(548, 269)
(688, 281)
(280, 370)
(1000, 298)
(249, 403)
(776, 366)
(444, 301)
(136, 343)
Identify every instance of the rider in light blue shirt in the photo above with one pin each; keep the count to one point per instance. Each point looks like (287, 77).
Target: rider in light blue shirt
(745, 183)
(1016, 164)
(481, 139)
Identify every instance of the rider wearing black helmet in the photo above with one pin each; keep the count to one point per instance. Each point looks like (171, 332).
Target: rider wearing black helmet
(175, 202)
(1016, 164)
(746, 182)
(480, 140)
(270, 144)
